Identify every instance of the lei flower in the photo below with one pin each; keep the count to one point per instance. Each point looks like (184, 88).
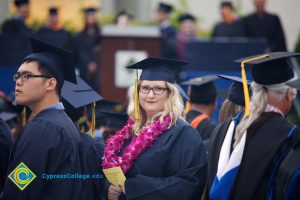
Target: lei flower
(137, 146)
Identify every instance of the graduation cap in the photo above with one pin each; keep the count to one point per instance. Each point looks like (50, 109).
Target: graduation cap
(57, 60)
(90, 10)
(124, 12)
(167, 8)
(186, 16)
(7, 110)
(53, 11)
(19, 3)
(155, 69)
(158, 69)
(76, 96)
(115, 120)
(267, 69)
(201, 89)
(80, 94)
(236, 91)
(7, 116)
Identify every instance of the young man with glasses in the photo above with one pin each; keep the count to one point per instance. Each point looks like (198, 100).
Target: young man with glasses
(49, 144)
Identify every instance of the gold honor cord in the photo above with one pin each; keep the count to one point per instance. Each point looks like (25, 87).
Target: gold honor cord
(24, 116)
(244, 79)
(93, 122)
(136, 99)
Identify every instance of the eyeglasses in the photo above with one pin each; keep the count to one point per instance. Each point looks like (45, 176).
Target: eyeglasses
(26, 76)
(155, 90)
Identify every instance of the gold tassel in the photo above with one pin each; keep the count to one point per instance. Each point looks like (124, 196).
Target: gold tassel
(136, 99)
(245, 85)
(93, 122)
(188, 104)
(24, 116)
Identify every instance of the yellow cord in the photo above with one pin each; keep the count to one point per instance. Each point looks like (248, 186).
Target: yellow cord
(136, 99)
(244, 79)
(93, 122)
(24, 117)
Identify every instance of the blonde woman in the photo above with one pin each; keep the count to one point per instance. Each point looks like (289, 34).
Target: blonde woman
(160, 154)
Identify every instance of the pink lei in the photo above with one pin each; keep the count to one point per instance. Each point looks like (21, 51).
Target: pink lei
(137, 146)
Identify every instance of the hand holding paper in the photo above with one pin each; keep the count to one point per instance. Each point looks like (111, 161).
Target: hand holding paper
(115, 176)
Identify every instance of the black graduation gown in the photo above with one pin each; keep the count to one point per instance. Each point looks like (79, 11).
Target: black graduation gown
(92, 187)
(60, 38)
(174, 167)
(168, 46)
(16, 26)
(264, 139)
(235, 29)
(288, 178)
(267, 26)
(48, 144)
(6, 143)
(205, 128)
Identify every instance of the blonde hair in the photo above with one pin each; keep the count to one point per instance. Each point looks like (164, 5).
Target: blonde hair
(259, 101)
(173, 107)
(229, 110)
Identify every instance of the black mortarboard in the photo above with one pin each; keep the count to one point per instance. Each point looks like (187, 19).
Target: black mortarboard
(6, 116)
(274, 68)
(106, 106)
(21, 2)
(203, 89)
(186, 16)
(57, 60)
(115, 119)
(53, 11)
(90, 10)
(80, 94)
(182, 92)
(235, 91)
(7, 110)
(76, 96)
(167, 8)
(158, 69)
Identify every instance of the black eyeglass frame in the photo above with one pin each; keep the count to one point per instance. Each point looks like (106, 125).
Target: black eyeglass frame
(26, 76)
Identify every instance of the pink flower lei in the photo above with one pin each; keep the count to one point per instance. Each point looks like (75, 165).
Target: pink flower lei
(137, 146)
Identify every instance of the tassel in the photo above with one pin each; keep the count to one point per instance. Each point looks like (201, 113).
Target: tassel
(188, 104)
(136, 99)
(24, 116)
(245, 85)
(93, 122)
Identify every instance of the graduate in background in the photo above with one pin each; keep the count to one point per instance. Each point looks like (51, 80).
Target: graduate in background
(187, 33)
(259, 139)
(17, 24)
(203, 102)
(75, 98)
(88, 45)
(53, 33)
(7, 113)
(235, 101)
(49, 143)
(231, 112)
(230, 26)
(167, 30)
(161, 155)
(262, 24)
